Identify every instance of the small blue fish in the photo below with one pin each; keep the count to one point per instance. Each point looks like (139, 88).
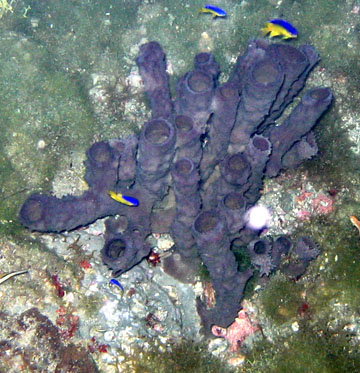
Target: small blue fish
(280, 27)
(126, 200)
(214, 10)
(115, 282)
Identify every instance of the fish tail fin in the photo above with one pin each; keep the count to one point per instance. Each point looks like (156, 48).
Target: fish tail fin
(265, 30)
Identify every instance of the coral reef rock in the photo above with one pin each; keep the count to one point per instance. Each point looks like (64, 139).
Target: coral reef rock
(31, 342)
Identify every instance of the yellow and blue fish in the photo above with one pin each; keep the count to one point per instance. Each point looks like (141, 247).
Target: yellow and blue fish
(213, 10)
(126, 200)
(280, 27)
(115, 284)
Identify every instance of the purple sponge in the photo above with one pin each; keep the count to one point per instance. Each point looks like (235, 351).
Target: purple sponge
(225, 104)
(45, 213)
(212, 147)
(301, 120)
(155, 154)
(185, 177)
(152, 67)
(261, 86)
(213, 243)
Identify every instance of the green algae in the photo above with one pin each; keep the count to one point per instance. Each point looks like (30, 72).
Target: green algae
(332, 287)
(281, 299)
(312, 349)
(185, 357)
(203, 273)
(44, 116)
(337, 166)
(90, 304)
(340, 266)
(241, 255)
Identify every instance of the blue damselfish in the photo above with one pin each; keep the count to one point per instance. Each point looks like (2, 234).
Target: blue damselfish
(116, 283)
(214, 10)
(126, 200)
(280, 27)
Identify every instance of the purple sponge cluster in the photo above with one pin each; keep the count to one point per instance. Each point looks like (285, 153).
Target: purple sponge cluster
(212, 146)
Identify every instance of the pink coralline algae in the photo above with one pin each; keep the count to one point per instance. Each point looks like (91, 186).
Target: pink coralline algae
(237, 332)
(319, 204)
(323, 204)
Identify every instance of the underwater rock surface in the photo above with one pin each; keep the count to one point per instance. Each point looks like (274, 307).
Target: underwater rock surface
(212, 146)
(44, 349)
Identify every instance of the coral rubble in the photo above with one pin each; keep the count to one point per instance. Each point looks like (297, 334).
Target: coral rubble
(31, 342)
(212, 145)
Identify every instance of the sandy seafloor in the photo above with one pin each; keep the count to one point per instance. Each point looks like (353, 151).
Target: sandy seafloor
(68, 79)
